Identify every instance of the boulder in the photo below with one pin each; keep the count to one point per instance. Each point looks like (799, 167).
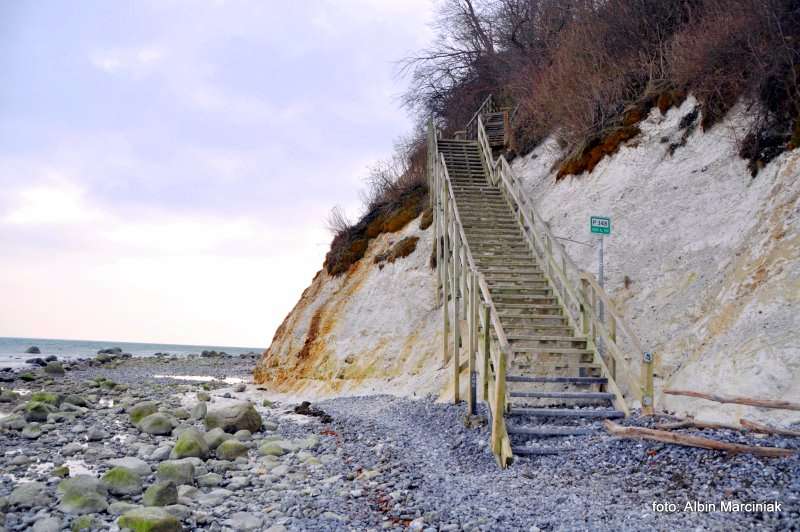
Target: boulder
(162, 493)
(141, 467)
(157, 424)
(191, 442)
(33, 350)
(28, 495)
(32, 431)
(199, 411)
(122, 481)
(54, 368)
(9, 396)
(240, 416)
(82, 494)
(37, 361)
(151, 519)
(36, 411)
(76, 400)
(216, 436)
(52, 399)
(178, 471)
(231, 450)
(47, 524)
(141, 410)
(271, 448)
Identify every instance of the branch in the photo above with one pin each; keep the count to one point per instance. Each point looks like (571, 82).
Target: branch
(763, 403)
(766, 429)
(692, 441)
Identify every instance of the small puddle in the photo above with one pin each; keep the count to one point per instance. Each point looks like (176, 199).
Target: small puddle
(201, 378)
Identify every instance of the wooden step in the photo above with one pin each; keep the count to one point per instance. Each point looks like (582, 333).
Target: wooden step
(579, 381)
(564, 395)
(605, 413)
(553, 350)
(539, 451)
(549, 432)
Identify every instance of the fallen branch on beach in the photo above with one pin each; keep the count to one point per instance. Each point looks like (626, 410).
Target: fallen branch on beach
(766, 429)
(763, 403)
(689, 423)
(692, 441)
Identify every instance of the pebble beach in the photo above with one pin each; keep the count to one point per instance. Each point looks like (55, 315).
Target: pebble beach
(168, 443)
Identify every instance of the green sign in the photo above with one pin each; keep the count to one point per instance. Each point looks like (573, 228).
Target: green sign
(600, 224)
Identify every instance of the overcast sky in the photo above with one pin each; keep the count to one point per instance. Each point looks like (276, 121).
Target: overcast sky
(166, 167)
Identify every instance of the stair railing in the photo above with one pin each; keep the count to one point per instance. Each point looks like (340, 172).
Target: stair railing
(458, 275)
(471, 129)
(579, 293)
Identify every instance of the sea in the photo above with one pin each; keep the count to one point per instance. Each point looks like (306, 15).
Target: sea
(12, 350)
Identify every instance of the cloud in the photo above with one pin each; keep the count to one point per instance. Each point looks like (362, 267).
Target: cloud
(56, 202)
(134, 62)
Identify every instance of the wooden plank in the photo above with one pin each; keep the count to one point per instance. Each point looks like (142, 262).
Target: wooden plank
(567, 412)
(766, 429)
(693, 441)
(761, 403)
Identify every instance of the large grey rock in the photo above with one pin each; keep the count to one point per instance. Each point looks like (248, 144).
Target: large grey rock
(191, 442)
(54, 368)
(216, 436)
(178, 471)
(33, 350)
(152, 519)
(47, 524)
(199, 411)
(120, 507)
(28, 495)
(162, 493)
(141, 467)
(244, 521)
(82, 494)
(122, 481)
(141, 410)
(240, 416)
(214, 498)
(157, 424)
(231, 450)
(38, 411)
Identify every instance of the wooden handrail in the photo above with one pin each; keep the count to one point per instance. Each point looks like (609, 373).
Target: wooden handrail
(580, 309)
(452, 228)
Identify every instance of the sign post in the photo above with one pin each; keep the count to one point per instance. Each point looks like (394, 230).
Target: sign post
(601, 226)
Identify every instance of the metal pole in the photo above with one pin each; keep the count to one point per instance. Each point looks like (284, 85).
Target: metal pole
(600, 277)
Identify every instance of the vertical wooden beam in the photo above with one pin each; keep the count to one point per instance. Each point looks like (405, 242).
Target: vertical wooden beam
(487, 345)
(456, 321)
(648, 406)
(472, 315)
(499, 401)
(444, 268)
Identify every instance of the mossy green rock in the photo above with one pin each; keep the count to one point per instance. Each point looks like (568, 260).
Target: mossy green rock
(141, 410)
(158, 424)
(216, 436)
(36, 411)
(122, 481)
(27, 376)
(76, 400)
(82, 494)
(190, 443)
(8, 396)
(162, 493)
(231, 450)
(60, 471)
(84, 523)
(178, 471)
(271, 448)
(241, 416)
(54, 368)
(52, 399)
(150, 519)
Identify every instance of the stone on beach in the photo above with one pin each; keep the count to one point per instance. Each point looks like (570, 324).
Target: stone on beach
(234, 417)
(122, 481)
(157, 424)
(141, 410)
(191, 442)
(179, 471)
(231, 450)
(162, 493)
(82, 494)
(151, 519)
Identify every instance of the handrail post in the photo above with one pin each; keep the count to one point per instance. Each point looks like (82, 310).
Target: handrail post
(486, 344)
(456, 321)
(473, 338)
(648, 359)
(499, 402)
(444, 271)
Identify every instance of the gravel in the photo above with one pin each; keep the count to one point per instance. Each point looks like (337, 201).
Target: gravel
(382, 463)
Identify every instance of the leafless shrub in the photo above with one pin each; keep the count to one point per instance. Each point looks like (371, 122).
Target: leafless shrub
(337, 221)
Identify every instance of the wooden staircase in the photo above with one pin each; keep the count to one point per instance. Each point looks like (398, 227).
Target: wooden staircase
(552, 373)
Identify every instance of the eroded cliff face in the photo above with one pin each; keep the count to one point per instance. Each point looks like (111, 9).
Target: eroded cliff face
(373, 329)
(703, 259)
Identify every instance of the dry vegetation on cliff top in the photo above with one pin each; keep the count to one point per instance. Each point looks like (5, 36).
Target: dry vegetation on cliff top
(583, 70)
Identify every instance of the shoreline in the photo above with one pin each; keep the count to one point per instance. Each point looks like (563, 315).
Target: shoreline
(381, 463)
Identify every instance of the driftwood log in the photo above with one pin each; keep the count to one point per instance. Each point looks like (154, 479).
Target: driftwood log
(763, 403)
(766, 429)
(694, 424)
(692, 441)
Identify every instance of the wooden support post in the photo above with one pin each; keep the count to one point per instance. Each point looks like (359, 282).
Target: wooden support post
(487, 345)
(499, 402)
(612, 332)
(648, 359)
(444, 269)
(464, 279)
(472, 318)
(456, 321)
